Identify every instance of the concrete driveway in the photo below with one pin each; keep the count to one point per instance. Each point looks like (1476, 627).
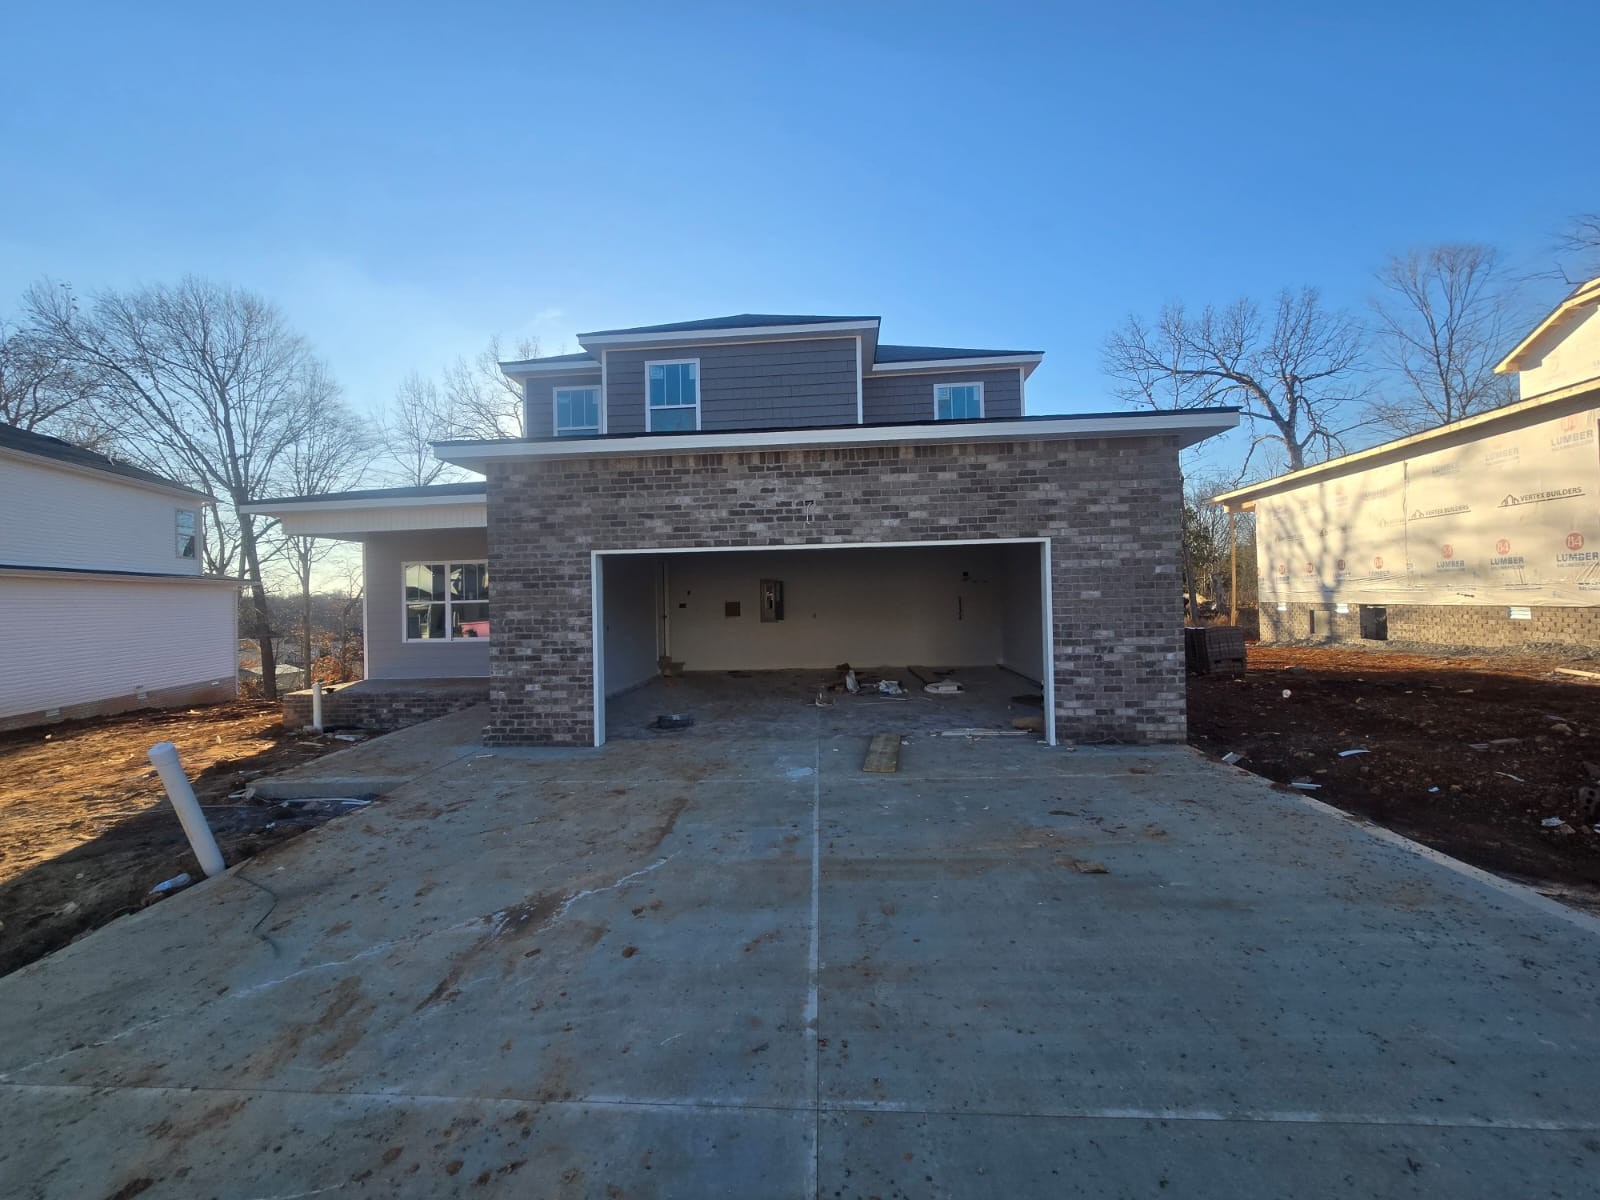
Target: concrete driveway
(740, 967)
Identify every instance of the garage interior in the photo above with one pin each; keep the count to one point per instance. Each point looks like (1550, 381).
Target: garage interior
(759, 633)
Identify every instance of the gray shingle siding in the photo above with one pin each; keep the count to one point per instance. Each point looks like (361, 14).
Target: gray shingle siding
(910, 397)
(538, 390)
(750, 385)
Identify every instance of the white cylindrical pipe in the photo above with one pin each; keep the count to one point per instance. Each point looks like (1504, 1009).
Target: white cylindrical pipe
(165, 757)
(316, 705)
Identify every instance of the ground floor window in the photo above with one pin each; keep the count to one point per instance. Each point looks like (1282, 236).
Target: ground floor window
(446, 601)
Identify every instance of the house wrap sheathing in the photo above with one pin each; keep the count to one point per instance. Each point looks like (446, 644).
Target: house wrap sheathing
(1476, 533)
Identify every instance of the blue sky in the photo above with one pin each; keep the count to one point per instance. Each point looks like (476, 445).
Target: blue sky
(406, 179)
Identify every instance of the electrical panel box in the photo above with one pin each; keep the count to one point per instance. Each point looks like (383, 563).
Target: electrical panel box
(772, 599)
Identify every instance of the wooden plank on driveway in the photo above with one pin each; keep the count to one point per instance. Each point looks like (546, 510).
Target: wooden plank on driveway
(883, 754)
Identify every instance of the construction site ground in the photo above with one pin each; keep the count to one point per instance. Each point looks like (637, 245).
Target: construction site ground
(1482, 757)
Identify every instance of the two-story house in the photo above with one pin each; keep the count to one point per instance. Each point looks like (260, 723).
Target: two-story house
(101, 579)
(759, 492)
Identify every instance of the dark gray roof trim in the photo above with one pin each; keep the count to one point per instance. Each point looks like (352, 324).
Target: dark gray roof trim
(108, 571)
(737, 321)
(441, 490)
(892, 354)
(43, 446)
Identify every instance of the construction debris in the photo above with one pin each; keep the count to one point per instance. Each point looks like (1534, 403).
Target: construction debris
(943, 687)
(883, 754)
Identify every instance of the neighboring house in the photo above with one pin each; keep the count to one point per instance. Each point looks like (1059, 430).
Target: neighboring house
(1483, 532)
(101, 581)
(759, 492)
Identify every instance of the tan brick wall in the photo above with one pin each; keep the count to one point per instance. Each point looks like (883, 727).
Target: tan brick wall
(1109, 507)
(1454, 625)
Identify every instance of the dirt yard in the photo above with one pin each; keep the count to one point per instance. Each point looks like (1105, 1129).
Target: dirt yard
(85, 829)
(1469, 755)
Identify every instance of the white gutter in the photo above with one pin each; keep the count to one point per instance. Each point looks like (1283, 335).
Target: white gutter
(1191, 427)
(293, 506)
(532, 366)
(958, 364)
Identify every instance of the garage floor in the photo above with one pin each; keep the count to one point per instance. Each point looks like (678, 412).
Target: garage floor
(739, 967)
(753, 703)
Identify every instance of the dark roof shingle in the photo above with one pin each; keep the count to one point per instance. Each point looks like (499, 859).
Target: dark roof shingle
(896, 354)
(43, 446)
(737, 321)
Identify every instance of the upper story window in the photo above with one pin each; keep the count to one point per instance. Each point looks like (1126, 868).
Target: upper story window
(446, 602)
(672, 392)
(188, 538)
(957, 401)
(577, 411)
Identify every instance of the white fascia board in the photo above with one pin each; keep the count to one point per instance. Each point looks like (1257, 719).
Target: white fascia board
(702, 337)
(1025, 361)
(1189, 428)
(271, 507)
(532, 366)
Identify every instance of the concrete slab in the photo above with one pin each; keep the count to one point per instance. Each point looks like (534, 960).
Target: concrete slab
(382, 764)
(739, 966)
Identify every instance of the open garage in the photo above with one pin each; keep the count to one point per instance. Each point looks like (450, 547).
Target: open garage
(761, 629)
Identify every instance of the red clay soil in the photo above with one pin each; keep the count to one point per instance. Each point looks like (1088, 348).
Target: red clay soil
(86, 831)
(1420, 718)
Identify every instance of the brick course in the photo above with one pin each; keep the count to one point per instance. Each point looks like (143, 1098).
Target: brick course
(1109, 507)
(372, 704)
(1455, 625)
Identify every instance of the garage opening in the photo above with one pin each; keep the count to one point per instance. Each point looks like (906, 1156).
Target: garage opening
(742, 638)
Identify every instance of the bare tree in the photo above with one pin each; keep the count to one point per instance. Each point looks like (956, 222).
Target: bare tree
(1441, 328)
(206, 383)
(417, 417)
(1295, 373)
(333, 455)
(39, 391)
(1579, 247)
(482, 402)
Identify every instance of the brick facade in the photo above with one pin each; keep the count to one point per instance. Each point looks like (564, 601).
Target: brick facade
(1109, 507)
(1488, 626)
(380, 705)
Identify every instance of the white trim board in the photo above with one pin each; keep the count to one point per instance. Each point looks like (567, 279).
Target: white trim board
(311, 503)
(710, 337)
(597, 602)
(1023, 362)
(1191, 427)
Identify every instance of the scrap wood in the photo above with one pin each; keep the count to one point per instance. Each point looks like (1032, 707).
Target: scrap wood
(921, 674)
(1578, 673)
(883, 754)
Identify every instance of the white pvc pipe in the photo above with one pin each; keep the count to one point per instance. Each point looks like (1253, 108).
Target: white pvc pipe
(165, 757)
(316, 705)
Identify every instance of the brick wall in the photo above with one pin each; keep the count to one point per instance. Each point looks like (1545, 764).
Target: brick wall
(383, 708)
(1483, 625)
(1110, 508)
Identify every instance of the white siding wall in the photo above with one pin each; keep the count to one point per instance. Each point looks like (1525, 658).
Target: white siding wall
(1573, 359)
(389, 655)
(51, 517)
(69, 640)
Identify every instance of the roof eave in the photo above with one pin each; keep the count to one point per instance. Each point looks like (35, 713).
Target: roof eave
(613, 341)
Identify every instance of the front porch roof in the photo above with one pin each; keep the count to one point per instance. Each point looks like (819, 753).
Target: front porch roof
(354, 514)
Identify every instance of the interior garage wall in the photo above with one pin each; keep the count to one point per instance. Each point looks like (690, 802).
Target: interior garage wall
(1021, 628)
(389, 655)
(873, 608)
(629, 617)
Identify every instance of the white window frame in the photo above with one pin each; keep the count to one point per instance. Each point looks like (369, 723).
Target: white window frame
(194, 515)
(599, 407)
(447, 639)
(699, 388)
(955, 383)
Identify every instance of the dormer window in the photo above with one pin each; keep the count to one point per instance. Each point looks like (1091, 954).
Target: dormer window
(577, 411)
(957, 401)
(672, 390)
